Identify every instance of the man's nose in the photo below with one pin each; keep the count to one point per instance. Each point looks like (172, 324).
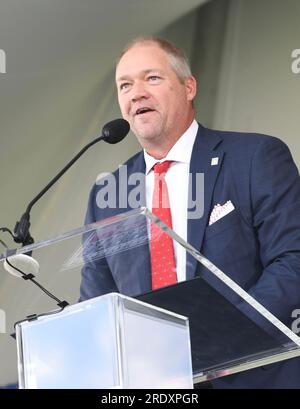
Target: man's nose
(138, 92)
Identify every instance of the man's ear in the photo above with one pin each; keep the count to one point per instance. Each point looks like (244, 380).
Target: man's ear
(191, 87)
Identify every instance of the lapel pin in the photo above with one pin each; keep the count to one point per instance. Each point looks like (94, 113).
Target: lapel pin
(214, 161)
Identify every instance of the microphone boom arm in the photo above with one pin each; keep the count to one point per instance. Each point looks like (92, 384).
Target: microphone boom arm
(113, 132)
(21, 232)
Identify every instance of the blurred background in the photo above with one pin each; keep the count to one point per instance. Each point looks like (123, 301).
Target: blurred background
(58, 91)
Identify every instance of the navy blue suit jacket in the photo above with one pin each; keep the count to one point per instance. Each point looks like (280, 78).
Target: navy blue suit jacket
(257, 244)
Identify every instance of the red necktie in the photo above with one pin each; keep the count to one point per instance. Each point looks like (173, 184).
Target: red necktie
(163, 263)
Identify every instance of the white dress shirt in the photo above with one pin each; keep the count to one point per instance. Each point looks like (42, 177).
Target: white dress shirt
(177, 180)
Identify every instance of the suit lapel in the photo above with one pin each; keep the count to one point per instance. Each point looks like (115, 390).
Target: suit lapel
(206, 159)
(139, 167)
(139, 257)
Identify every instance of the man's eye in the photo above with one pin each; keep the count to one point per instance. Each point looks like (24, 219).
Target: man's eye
(124, 86)
(153, 78)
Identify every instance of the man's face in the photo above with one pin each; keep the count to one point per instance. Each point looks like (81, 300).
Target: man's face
(151, 97)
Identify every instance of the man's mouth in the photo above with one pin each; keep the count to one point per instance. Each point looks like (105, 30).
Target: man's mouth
(144, 110)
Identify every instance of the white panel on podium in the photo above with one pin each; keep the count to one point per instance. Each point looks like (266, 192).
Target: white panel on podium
(104, 343)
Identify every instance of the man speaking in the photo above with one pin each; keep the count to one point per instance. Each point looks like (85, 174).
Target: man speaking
(250, 222)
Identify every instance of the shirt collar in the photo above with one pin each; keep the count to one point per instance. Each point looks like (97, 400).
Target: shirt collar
(180, 152)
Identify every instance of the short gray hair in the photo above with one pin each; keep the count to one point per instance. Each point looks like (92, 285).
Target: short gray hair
(177, 57)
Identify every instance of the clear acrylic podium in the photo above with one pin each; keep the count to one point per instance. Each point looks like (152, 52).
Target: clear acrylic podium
(229, 331)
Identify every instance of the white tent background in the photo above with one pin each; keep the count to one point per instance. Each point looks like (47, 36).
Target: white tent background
(58, 92)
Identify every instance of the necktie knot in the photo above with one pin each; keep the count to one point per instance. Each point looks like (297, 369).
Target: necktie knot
(162, 167)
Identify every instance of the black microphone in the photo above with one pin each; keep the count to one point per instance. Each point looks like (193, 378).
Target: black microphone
(113, 132)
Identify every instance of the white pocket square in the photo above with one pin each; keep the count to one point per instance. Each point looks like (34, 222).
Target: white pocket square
(220, 211)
